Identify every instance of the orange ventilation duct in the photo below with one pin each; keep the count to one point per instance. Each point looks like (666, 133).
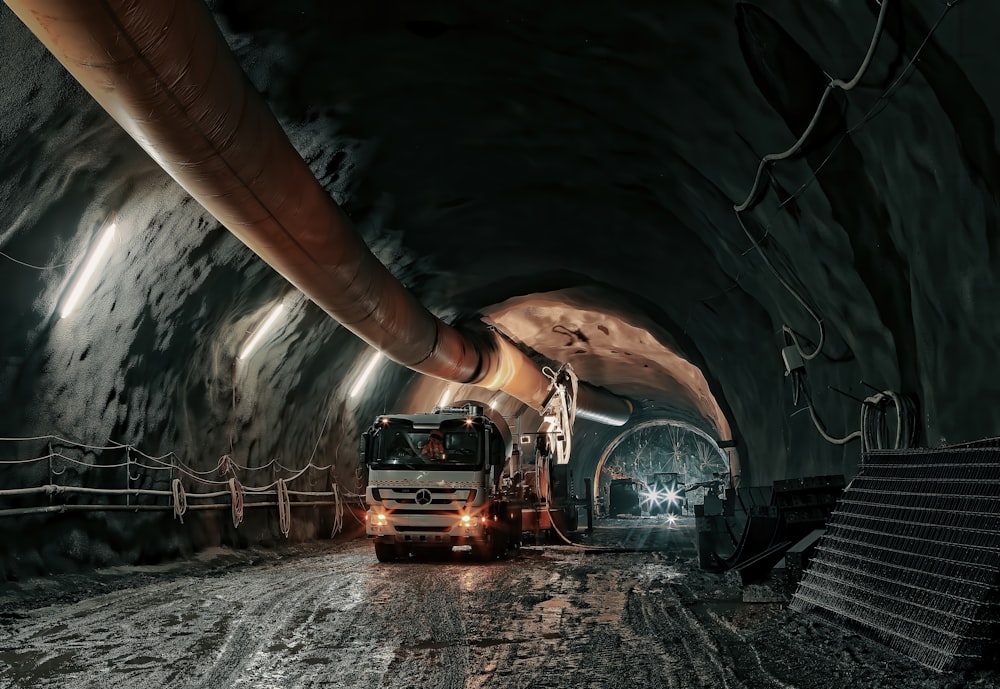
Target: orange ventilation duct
(164, 72)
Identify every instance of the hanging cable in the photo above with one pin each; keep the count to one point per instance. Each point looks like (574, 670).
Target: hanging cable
(770, 158)
(236, 499)
(791, 290)
(284, 511)
(871, 113)
(180, 499)
(338, 512)
(833, 83)
(873, 429)
(874, 421)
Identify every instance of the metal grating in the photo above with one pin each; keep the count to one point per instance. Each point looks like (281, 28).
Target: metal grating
(911, 556)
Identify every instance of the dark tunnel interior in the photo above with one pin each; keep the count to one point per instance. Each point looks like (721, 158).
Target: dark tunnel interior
(645, 191)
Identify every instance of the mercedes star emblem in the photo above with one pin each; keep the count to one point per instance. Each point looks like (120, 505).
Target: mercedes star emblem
(423, 497)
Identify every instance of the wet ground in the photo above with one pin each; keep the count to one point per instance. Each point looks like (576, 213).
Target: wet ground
(330, 615)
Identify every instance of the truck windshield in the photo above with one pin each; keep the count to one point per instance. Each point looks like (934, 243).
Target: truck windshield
(453, 446)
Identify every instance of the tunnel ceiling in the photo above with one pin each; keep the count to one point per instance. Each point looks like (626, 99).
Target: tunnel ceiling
(598, 338)
(541, 166)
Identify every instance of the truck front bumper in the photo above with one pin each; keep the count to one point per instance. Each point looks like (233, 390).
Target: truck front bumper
(453, 534)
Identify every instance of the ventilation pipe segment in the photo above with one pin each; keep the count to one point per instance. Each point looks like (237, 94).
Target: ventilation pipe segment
(164, 72)
(601, 406)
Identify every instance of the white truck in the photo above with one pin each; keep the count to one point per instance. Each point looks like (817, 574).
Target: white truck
(469, 492)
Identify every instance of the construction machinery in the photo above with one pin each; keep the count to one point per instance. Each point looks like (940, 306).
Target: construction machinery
(452, 479)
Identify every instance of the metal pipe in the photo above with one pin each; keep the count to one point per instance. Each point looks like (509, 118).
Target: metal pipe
(164, 72)
(599, 405)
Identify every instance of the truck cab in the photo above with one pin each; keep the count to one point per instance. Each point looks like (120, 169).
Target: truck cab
(437, 493)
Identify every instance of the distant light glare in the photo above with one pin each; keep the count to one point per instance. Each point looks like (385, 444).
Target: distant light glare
(359, 384)
(88, 270)
(262, 330)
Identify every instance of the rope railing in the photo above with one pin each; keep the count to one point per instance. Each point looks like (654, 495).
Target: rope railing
(240, 496)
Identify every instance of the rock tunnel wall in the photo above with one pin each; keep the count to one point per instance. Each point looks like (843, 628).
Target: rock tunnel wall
(559, 136)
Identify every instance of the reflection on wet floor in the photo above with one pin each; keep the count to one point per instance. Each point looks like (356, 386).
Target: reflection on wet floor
(591, 615)
(641, 534)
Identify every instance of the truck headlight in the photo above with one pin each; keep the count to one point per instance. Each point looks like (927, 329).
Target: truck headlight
(466, 520)
(380, 518)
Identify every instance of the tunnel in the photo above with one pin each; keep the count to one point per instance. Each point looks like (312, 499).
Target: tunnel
(759, 237)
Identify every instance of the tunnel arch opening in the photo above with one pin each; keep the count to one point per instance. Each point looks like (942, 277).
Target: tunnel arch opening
(644, 453)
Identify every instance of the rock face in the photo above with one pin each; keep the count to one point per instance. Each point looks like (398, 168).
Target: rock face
(589, 158)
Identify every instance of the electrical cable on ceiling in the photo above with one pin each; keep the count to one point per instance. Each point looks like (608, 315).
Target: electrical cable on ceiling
(791, 290)
(832, 84)
(770, 158)
(873, 428)
(877, 108)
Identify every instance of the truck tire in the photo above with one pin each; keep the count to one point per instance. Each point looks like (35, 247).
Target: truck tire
(385, 552)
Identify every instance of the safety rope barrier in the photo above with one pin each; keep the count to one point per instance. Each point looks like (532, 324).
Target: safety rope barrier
(178, 497)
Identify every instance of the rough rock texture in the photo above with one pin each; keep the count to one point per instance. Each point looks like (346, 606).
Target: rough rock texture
(493, 151)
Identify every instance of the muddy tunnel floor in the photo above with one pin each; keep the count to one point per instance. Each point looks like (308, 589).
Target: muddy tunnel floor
(330, 615)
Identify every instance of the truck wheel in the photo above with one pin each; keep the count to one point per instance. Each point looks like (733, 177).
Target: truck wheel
(385, 552)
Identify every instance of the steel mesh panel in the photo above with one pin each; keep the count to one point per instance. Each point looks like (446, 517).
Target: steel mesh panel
(911, 555)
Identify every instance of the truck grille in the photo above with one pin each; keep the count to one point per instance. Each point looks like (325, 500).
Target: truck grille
(450, 499)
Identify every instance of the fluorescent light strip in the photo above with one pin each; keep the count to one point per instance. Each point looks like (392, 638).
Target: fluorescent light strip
(262, 330)
(363, 378)
(88, 270)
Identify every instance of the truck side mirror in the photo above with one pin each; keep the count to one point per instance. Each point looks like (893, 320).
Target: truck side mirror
(364, 447)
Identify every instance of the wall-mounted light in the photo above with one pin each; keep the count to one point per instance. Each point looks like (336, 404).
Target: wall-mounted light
(89, 268)
(359, 384)
(262, 330)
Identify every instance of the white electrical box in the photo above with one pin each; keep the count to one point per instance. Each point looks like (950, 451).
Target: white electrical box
(793, 360)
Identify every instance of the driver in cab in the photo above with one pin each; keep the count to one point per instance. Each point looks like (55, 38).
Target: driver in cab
(434, 448)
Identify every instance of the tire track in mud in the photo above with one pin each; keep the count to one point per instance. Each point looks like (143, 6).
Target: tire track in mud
(433, 653)
(188, 632)
(739, 653)
(591, 624)
(555, 619)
